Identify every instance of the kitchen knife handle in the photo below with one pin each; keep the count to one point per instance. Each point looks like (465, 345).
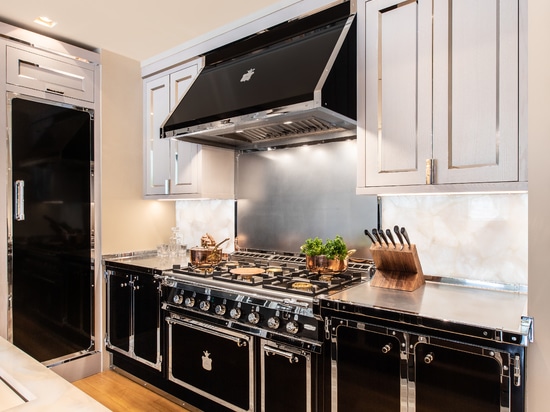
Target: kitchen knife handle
(383, 236)
(370, 237)
(406, 236)
(19, 200)
(390, 237)
(399, 237)
(375, 233)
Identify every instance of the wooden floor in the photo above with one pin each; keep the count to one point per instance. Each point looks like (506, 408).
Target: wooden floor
(119, 393)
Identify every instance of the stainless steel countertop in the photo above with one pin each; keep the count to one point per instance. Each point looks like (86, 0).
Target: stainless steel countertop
(493, 309)
(441, 299)
(146, 259)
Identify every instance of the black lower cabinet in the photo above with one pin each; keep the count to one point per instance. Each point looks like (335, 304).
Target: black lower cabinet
(457, 380)
(378, 367)
(147, 319)
(368, 371)
(133, 316)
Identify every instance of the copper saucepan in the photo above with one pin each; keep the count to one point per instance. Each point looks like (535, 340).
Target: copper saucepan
(207, 256)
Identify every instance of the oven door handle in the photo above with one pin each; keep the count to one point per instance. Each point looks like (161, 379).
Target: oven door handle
(269, 350)
(213, 330)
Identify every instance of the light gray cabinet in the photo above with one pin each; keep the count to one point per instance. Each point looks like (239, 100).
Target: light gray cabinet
(174, 168)
(441, 102)
(53, 74)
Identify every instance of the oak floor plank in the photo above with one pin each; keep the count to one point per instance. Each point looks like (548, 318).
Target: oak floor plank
(119, 393)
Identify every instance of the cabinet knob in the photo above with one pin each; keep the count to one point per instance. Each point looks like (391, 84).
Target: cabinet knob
(387, 348)
(429, 358)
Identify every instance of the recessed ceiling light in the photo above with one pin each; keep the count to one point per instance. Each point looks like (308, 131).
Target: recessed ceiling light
(45, 21)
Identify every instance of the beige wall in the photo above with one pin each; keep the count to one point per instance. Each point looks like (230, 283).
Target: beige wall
(538, 356)
(129, 223)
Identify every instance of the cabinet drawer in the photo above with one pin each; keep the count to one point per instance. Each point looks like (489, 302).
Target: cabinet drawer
(50, 75)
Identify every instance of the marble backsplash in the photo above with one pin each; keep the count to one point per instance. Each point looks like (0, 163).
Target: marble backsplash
(196, 217)
(477, 237)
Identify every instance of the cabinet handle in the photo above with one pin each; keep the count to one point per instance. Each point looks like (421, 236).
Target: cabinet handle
(517, 371)
(272, 351)
(60, 92)
(387, 348)
(429, 358)
(19, 200)
(430, 165)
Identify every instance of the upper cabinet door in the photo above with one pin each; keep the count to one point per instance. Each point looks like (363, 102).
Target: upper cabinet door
(441, 96)
(52, 74)
(396, 111)
(475, 91)
(184, 159)
(157, 150)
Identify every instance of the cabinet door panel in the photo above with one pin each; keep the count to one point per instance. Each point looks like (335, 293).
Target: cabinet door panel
(459, 380)
(184, 155)
(157, 171)
(367, 378)
(475, 91)
(119, 295)
(398, 92)
(56, 75)
(147, 318)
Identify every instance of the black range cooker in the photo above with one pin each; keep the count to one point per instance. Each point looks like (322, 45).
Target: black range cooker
(246, 334)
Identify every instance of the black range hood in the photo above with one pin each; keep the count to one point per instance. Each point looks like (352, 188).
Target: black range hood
(294, 83)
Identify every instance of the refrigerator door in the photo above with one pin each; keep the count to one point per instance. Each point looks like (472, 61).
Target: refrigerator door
(51, 230)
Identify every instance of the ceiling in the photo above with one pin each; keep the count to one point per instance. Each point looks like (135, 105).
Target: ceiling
(126, 27)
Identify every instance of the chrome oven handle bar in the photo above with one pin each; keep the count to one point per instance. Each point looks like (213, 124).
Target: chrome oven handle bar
(292, 358)
(209, 329)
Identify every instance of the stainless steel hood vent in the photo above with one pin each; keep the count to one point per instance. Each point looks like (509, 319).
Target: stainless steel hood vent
(291, 84)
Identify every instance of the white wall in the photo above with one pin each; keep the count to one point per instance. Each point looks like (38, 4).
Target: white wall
(129, 223)
(538, 360)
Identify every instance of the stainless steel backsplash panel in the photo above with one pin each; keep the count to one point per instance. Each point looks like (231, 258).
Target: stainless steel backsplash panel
(287, 195)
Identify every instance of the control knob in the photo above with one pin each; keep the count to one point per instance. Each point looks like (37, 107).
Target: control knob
(204, 305)
(235, 313)
(254, 318)
(220, 310)
(189, 301)
(273, 322)
(292, 327)
(178, 299)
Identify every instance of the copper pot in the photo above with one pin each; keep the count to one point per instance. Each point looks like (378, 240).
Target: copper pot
(316, 263)
(207, 256)
(322, 264)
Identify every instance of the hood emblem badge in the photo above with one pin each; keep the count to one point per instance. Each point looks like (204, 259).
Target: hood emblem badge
(246, 77)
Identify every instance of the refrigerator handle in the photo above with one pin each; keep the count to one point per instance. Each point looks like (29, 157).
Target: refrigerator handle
(19, 200)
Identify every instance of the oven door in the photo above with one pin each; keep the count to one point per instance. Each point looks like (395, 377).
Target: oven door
(214, 362)
(287, 378)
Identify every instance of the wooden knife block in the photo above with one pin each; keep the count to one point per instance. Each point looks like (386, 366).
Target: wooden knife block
(397, 269)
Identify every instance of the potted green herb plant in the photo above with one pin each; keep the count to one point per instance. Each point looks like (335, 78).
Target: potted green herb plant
(314, 250)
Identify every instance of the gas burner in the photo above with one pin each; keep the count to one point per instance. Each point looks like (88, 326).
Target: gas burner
(254, 280)
(313, 284)
(206, 271)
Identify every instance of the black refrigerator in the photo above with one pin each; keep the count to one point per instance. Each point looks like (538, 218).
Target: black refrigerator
(50, 236)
